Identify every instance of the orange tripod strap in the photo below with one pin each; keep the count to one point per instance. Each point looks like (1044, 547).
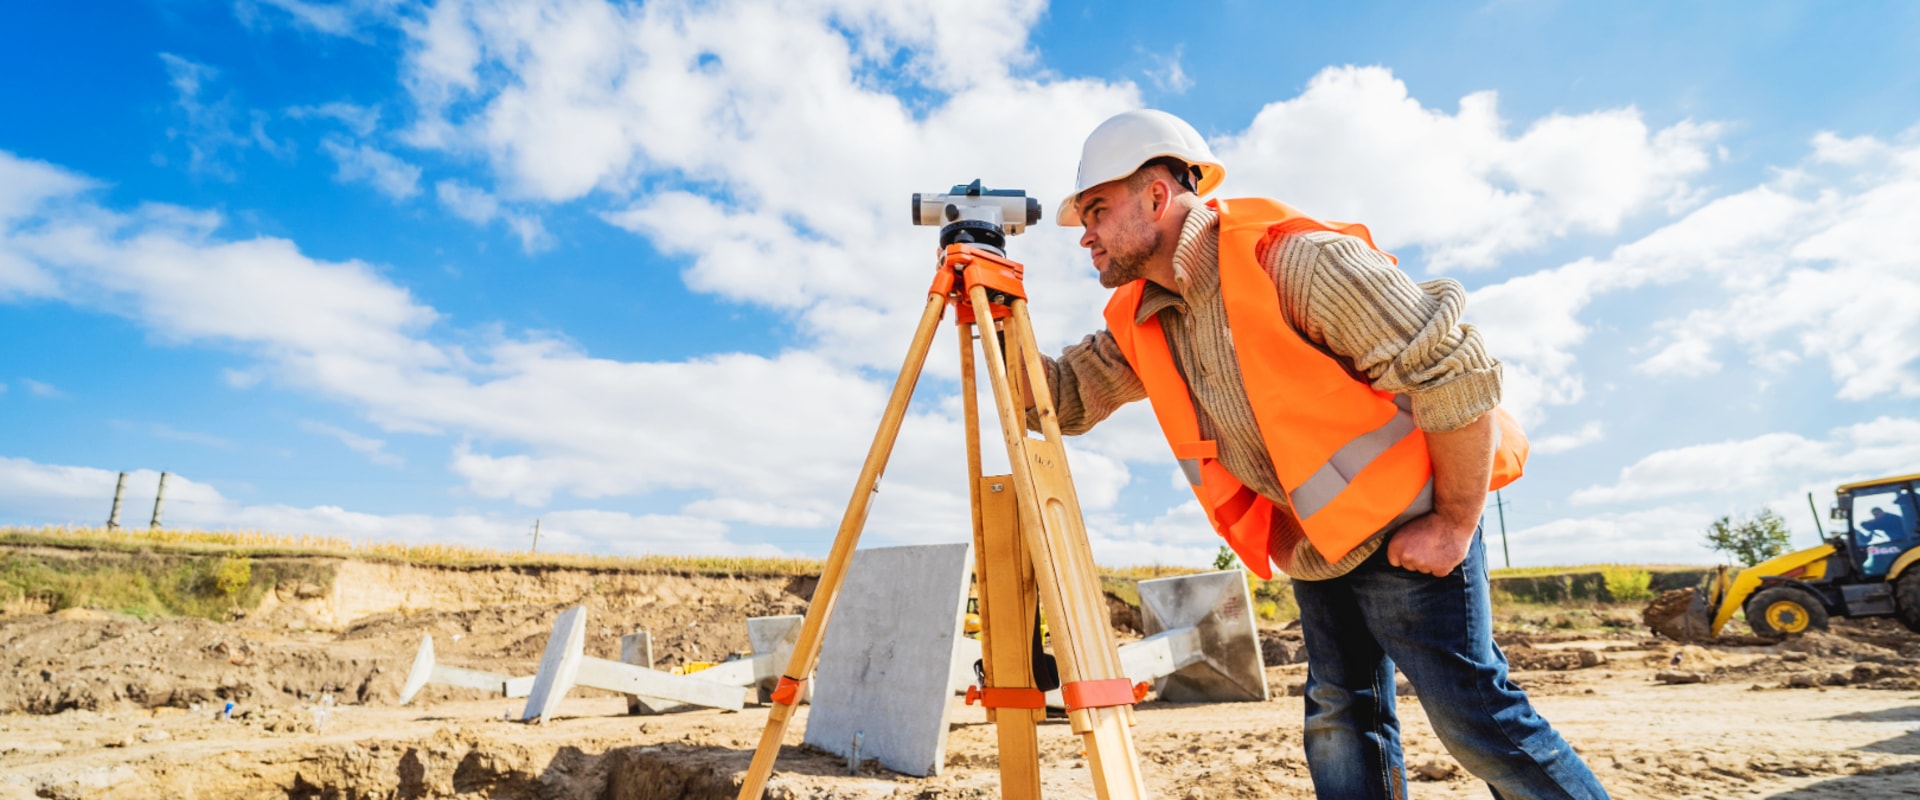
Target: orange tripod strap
(990, 697)
(1098, 694)
(787, 692)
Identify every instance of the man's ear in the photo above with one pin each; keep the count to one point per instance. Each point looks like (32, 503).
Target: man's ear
(1161, 197)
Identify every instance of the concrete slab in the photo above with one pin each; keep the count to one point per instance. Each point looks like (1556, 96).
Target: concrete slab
(886, 671)
(559, 664)
(1219, 608)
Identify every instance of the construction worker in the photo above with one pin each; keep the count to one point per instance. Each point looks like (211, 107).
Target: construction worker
(1336, 420)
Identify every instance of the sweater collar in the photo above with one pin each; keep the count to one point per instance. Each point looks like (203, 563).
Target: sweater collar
(1196, 267)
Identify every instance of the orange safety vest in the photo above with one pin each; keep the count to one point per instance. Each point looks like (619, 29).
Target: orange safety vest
(1348, 456)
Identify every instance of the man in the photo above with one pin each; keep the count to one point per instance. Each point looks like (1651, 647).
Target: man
(1335, 419)
(1890, 527)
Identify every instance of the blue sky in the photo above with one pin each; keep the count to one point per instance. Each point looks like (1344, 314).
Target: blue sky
(430, 272)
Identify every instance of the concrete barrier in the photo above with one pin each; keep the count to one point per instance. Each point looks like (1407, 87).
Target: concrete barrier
(565, 665)
(1201, 645)
(427, 670)
(772, 639)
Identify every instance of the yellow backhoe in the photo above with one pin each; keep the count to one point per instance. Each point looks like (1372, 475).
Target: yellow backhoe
(1865, 569)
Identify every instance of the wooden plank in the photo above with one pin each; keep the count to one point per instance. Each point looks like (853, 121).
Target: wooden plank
(1008, 598)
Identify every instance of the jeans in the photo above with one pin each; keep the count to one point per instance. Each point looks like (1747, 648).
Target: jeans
(1439, 632)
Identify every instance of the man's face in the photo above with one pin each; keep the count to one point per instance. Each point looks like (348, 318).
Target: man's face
(1119, 235)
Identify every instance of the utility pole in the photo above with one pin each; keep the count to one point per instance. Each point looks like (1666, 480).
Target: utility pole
(536, 536)
(120, 489)
(159, 499)
(1500, 504)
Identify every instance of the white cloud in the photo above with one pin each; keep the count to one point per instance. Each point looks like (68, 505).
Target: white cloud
(344, 18)
(477, 206)
(1884, 446)
(165, 431)
(1663, 535)
(745, 136)
(35, 493)
(382, 170)
(1822, 264)
(1684, 357)
(39, 389)
(1840, 286)
(167, 267)
(1356, 146)
(1167, 74)
(1180, 536)
(360, 120)
(209, 129)
(374, 449)
(1589, 433)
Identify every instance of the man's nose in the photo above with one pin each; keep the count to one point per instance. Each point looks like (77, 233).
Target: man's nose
(1086, 237)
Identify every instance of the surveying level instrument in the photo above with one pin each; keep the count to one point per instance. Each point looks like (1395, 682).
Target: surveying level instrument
(1029, 540)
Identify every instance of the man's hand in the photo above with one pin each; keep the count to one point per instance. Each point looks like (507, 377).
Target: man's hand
(1431, 544)
(1462, 466)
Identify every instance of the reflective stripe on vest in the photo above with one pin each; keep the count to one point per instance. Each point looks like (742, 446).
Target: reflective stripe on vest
(1350, 458)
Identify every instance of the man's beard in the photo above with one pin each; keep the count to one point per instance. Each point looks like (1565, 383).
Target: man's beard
(1127, 254)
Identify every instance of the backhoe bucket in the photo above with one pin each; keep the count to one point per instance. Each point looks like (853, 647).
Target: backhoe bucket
(1681, 615)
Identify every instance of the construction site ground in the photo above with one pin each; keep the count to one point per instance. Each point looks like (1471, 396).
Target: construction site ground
(105, 705)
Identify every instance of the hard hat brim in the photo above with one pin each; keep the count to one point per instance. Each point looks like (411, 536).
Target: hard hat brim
(1068, 215)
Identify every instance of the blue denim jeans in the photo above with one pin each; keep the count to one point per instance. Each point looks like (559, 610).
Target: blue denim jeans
(1439, 632)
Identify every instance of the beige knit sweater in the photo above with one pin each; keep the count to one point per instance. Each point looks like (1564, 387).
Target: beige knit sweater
(1344, 297)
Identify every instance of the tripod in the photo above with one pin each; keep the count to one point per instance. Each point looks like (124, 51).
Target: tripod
(1030, 545)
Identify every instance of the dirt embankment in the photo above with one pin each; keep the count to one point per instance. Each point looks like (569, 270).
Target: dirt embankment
(355, 635)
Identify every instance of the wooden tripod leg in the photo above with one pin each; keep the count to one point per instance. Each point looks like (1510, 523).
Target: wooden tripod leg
(1056, 536)
(1004, 574)
(806, 651)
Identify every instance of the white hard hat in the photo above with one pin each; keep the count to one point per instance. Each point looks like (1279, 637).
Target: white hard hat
(1122, 144)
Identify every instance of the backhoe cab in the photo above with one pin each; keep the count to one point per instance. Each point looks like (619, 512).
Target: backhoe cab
(1865, 569)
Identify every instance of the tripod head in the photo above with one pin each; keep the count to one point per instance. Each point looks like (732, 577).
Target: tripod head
(973, 215)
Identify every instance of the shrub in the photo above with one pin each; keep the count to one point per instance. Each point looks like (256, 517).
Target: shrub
(1625, 584)
(232, 575)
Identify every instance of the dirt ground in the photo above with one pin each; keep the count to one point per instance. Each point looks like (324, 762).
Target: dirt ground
(100, 705)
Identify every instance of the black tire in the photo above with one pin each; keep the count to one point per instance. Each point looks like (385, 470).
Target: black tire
(1906, 599)
(1784, 611)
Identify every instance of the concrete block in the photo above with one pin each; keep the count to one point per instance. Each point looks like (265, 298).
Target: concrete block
(1219, 609)
(886, 670)
(559, 664)
(637, 649)
(776, 637)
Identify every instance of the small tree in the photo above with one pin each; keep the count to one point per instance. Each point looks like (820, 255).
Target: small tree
(1225, 559)
(1751, 540)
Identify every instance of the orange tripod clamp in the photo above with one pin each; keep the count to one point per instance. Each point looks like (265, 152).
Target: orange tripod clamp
(964, 266)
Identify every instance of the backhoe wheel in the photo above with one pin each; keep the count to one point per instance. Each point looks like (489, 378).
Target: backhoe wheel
(1785, 610)
(1906, 599)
